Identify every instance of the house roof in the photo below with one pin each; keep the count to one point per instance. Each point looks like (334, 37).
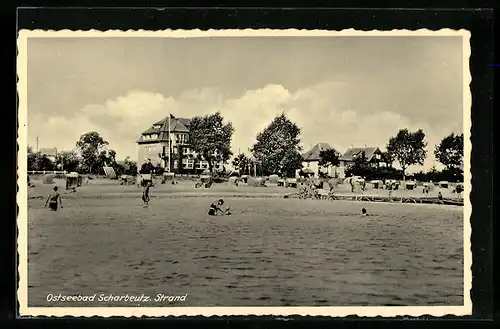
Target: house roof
(151, 130)
(354, 151)
(313, 153)
(177, 125)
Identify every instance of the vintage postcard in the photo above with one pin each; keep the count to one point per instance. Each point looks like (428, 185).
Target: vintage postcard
(244, 172)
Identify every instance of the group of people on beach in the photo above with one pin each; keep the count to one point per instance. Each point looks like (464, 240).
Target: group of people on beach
(54, 201)
(215, 208)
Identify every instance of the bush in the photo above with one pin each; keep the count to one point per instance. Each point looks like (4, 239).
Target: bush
(450, 175)
(374, 173)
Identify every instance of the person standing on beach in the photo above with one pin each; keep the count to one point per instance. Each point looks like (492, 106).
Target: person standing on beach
(54, 199)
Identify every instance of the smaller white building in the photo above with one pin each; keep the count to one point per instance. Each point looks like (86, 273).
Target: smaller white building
(311, 160)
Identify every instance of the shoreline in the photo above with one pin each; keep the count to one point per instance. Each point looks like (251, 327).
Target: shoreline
(235, 195)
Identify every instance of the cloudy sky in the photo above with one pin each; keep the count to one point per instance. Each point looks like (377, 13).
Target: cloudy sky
(345, 91)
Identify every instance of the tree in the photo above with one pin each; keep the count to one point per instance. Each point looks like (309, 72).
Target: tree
(39, 162)
(450, 152)
(90, 146)
(292, 160)
(210, 138)
(388, 158)
(278, 146)
(329, 157)
(68, 161)
(360, 166)
(31, 159)
(106, 158)
(241, 163)
(408, 148)
(130, 167)
(180, 156)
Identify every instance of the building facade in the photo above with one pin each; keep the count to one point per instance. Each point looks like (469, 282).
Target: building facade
(174, 132)
(311, 160)
(372, 155)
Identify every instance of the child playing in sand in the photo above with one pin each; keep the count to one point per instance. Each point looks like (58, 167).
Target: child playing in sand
(54, 199)
(215, 208)
(145, 194)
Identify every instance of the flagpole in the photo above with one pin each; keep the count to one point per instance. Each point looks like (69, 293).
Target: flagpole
(169, 143)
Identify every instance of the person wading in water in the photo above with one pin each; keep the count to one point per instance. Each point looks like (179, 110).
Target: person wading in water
(54, 199)
(145, 194)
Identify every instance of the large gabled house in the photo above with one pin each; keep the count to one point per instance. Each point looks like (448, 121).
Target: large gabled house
(154, 144)
(311, 160)
(372, 155)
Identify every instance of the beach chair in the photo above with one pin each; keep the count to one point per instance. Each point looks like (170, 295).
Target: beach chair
(323, 194)
(73, 180)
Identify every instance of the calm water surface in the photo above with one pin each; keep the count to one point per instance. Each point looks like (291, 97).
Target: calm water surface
(269, 252)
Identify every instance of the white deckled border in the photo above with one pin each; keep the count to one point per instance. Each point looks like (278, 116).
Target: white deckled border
(362, 311)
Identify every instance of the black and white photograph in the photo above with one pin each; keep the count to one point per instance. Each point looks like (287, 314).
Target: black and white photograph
(244, 172)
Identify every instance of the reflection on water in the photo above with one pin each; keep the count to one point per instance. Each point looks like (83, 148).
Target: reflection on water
(269, 252)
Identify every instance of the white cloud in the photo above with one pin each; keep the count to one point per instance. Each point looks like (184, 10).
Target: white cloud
(319, 110)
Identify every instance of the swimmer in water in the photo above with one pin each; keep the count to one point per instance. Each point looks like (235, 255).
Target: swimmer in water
(363, 212)
(145, 194)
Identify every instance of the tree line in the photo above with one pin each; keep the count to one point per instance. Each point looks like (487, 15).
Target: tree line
(277, 150)
(89, 156)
